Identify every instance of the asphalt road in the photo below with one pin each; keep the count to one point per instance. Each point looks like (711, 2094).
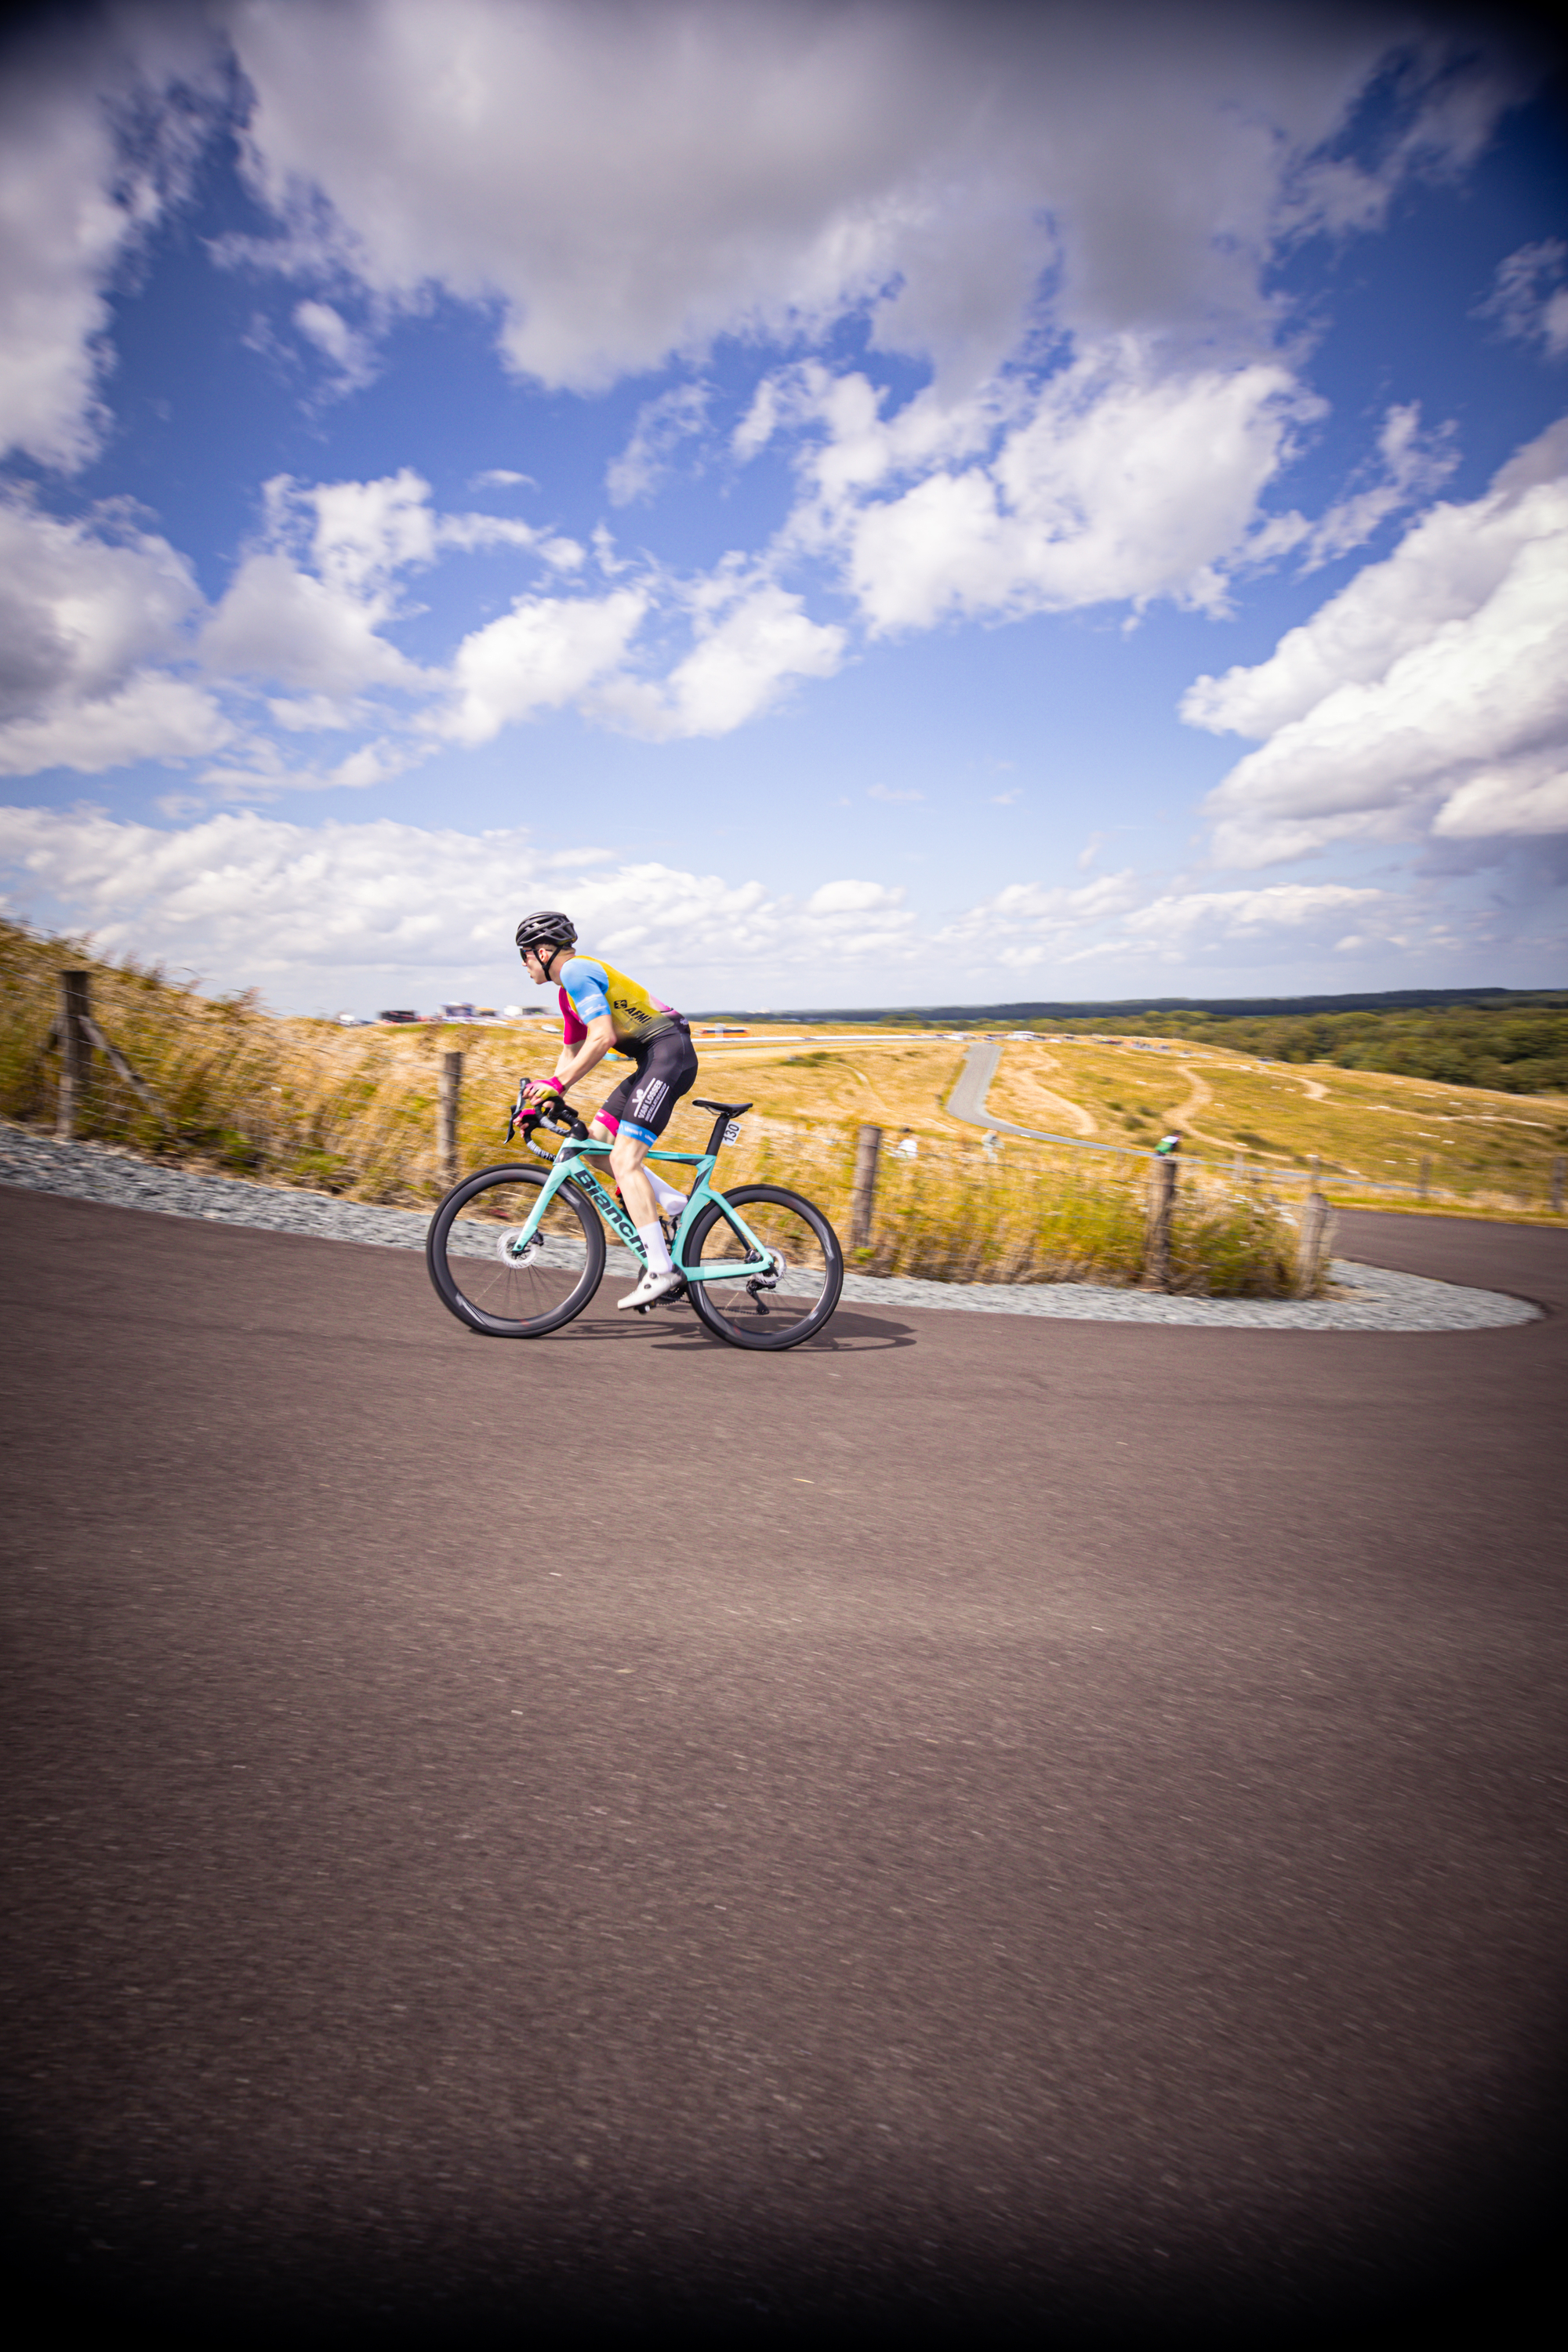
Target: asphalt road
(1000, 1824)
(967, 1102)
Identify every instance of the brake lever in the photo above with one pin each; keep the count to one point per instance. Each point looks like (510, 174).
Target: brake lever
(524, 1121)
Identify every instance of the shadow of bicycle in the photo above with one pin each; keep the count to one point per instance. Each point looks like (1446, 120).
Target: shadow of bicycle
(848, 1334)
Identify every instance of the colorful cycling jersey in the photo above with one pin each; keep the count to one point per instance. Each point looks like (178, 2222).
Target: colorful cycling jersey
(591, 988)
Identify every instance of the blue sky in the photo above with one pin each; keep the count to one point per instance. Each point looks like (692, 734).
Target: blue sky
(872, 504)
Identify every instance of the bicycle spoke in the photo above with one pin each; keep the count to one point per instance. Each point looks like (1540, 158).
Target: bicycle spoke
(785, 1286)
(490, 1277)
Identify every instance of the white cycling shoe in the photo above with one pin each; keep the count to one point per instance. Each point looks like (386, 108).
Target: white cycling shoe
(652, 1286)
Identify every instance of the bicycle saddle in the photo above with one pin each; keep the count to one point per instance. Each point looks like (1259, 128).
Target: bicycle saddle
(725, 1110)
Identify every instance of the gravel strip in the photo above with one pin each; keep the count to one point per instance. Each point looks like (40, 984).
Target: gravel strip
(1369, 1298)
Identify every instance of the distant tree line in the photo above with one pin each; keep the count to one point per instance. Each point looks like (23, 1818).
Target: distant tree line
(1514, 1040)
(1520, 1047)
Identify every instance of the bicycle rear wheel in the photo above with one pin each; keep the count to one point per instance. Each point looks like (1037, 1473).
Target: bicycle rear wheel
(483, 1275)
(775, 1301)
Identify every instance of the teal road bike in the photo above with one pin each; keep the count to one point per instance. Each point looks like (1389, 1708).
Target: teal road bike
(515, 1251)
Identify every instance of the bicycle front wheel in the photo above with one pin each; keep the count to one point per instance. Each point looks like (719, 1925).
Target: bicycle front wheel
(781, 1298)
(488, 1278)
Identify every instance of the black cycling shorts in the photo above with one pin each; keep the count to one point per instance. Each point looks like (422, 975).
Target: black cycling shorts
(666, 1069)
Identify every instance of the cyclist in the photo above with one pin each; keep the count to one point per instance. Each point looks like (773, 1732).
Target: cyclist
(601, 1009)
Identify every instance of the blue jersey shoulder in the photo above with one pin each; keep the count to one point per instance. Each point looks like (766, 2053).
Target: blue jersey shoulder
(587, 983)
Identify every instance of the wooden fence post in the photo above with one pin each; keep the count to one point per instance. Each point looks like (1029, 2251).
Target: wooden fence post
(446, 1101)
(75, 1051)
(1156, 1273)
(1424, 1181)
(863, 1198)
(1558, 1170)
(1311, 1243)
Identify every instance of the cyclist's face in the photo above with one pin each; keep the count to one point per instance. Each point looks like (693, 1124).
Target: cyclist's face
(536, 966)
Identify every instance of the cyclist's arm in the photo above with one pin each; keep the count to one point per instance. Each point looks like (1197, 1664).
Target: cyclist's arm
(574, 1061)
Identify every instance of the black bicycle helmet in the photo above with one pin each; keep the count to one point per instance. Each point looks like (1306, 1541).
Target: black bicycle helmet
(547, 929)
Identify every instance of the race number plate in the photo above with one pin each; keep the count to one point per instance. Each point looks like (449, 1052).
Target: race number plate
(732, 1132)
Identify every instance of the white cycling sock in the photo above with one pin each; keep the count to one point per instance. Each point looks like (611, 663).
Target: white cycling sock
(671, 1202)
(657, 1248)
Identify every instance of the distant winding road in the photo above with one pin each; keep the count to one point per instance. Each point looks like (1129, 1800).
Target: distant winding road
(967, 1102)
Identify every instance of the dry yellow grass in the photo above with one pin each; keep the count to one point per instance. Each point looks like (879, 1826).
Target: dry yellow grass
(1365, 1127)
(308, 1104)
(951, 1215)
(893, 1080)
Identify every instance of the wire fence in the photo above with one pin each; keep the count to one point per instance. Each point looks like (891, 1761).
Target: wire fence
(1438, 1179)
(387, 1117)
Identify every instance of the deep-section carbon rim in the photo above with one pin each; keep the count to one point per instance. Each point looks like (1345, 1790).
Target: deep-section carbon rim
(747, 1311)
(482, 1277)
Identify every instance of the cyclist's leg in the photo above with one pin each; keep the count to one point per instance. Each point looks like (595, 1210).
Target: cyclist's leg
(605, 1128)
(641, 1107)
(666, 1069)
(626, 1157)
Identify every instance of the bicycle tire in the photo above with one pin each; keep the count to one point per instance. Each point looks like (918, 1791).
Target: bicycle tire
(475, 1281)
(747, 1317)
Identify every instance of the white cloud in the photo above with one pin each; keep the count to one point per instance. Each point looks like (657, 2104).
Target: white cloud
(1122, 483)
(352, 353)
(248, 899)
(314, 714)
(1530, 297)
(752, 641)
(364, 531)
(245, 897)
(83, 603)
(744, 663)
(284, 626)
(1430, 695)
(853, 898)
(777, 164)
(661, 426)
(1124, 917)
(375, 895)
(540, 656)
(1181, 924)
(772, 169)
(1120, 479)
(1411, 469)
(56, 166)
(151, 716)
(254, 767)
(1029, 923)
(86, 611)
(321, 628)
(75, 197)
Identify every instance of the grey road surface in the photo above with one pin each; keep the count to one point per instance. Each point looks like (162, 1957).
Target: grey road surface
(1016, 1827)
